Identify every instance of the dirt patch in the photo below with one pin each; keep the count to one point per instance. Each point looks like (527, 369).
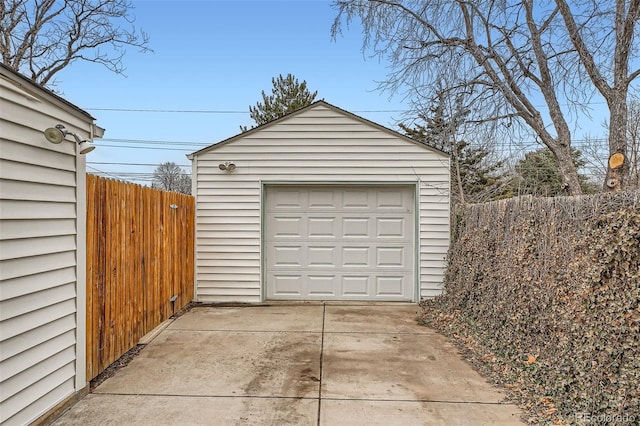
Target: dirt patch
(115, 366)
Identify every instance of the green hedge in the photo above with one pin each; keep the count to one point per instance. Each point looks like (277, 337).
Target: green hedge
(547, 293)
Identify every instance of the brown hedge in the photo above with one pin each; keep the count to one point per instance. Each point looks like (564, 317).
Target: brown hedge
(548, 290)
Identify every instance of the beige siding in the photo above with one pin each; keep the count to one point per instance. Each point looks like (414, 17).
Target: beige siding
(321, 145)
(39, 257)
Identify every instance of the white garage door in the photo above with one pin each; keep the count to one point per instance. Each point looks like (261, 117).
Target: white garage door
(339, 243)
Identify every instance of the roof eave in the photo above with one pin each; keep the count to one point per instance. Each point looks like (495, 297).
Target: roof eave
(328, 105)
(27, 84)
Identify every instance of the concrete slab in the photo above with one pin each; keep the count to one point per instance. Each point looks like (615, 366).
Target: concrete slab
(260, 365)
(213, 363)
(100, 410)
(252, 318)
(413, 367)
(385, 413)
(389, 318)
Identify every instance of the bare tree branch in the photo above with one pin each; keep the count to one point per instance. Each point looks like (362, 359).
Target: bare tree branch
(504, 56)
(42, 37)
(170, 177)
(633, 138)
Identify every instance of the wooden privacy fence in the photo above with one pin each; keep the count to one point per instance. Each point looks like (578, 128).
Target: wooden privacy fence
(140, 251)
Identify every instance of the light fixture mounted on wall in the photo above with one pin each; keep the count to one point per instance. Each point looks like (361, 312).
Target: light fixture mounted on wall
(57, 134)
(228, 166)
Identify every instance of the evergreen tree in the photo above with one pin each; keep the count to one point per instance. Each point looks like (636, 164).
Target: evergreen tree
(474, 178)
(287, 95)
(538, 174)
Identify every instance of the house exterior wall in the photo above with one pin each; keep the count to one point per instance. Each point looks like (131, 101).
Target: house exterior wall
(42, 257)
(320, 144)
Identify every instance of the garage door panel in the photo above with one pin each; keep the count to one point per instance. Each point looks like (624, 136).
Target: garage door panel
(390, 286)
(287, 285)
(340, 243)
(287, 256)
(322, 227)
(287, 227)
(390, 199)
(356, 227)
(356, 286)
(321, 285)
(356, 257)
(321, 256)
(286, 199)
(323, 199)
(356, 199)
(391, 257)
(393, 227)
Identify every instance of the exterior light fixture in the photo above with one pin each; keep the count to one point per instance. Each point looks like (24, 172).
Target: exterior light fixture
(228, 166)
(57, 134)
(85, 147)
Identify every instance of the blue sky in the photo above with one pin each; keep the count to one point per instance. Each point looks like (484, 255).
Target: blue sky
(213, 58)
(219, 56)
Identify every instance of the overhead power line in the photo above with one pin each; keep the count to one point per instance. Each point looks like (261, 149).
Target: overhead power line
(156, 142)
(132, 164)
(102, 172)
(233, 111)
(211, 111)
(146, 147)
(204, 144)
(155, 145)
(185, 111)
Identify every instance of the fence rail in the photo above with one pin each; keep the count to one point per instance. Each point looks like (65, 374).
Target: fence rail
(140, 264)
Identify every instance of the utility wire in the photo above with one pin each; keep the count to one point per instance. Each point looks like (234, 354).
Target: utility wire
(103, 172)
(145, 147)
(232, 111)
(155, 142)
(203, 144)
(185, 111)
(209, 111)
(132, 164)
(175, 145)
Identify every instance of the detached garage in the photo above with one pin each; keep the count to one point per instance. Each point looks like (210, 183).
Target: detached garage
(320, 205)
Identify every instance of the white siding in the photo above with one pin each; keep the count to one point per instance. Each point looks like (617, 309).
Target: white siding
(321, 144)
(41, 266)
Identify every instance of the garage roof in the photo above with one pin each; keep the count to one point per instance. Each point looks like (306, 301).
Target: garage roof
(311, 106)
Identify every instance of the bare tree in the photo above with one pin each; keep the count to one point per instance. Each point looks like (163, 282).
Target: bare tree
(170, 177)
(595, 154)
(41, 37)
(505, 57)
(605, 55)
(633, 135)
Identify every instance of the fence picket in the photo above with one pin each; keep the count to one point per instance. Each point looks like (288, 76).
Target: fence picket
(139, 255)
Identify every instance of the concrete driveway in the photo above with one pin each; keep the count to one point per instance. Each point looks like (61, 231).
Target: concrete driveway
(310, 364)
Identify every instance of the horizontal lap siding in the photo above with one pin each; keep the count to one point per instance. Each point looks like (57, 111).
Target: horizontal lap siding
(318, 145)
(38, 250)
(228, 241)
